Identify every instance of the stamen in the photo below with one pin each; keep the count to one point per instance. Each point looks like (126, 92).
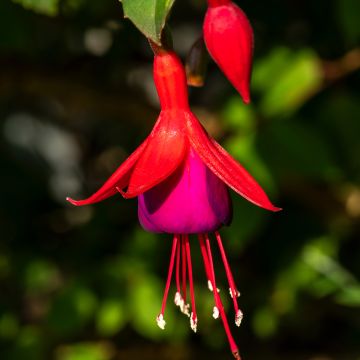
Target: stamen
(215, 312)
(193, 317)
(178, 299)
(161, 322)
(234, 293)
(160, 318)
(183, 260)
(237, 293)
(238, 318)
(193, 322)
(236, 355)
(185, 308)
(177, 274)
(210, 287)
(206, 265)
(207, 257)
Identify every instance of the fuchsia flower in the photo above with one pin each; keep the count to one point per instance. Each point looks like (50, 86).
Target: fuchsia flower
(180, 176)
(229, 39)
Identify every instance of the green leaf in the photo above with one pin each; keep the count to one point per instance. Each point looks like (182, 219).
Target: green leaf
(149, 16)
(85, 351)
(350, 296)
(46, 7)
(348, 18)
(296, 149)
(111, 317)
(287, 79)
(72, 309)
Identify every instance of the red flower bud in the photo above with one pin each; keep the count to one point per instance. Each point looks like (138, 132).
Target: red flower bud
(229, 39)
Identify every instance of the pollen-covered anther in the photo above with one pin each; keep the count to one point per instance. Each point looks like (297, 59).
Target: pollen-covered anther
(210, 287)
(160, 321)
(216, 312)
(178, 300)
(193, 322)
(238, 317)
(185, 308)
(234, 292)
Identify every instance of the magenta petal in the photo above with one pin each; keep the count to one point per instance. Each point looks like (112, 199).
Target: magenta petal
(191, 200)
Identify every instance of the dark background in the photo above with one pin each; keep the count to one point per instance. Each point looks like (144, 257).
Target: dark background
(76, 98)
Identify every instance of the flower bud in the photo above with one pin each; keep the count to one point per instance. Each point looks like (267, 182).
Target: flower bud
(229, 39)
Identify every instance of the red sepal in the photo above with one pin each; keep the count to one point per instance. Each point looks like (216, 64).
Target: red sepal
(119, 179)
(163, 154)
(225, 167)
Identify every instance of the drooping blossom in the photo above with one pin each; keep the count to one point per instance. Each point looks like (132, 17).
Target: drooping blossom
(229, 39)
(181, 178)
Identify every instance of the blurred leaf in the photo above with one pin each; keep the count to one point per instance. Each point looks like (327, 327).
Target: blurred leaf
(248, 220)
(145, 301)
(340, 118)
(29, 344)
(265, 322)
(295, 149)
(40, 275)
(244, 150)
(111, 317)
(85, 351)
(287, 79)
(5, 265)
(327, 266)
(238, 116)
(145, 297)
(46, 7)
(149, 16)
(350, 296)
(9, 326)
(72, 309)
(348, 16)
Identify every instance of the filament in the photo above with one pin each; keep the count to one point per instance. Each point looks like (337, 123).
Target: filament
(232, 287)
(193, 317)
(160, 319)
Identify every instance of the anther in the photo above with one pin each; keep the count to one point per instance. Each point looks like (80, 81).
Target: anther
(234, 292)
(178, 299)
(238, 317)
(210, 287)
(216, 312)
(160, 321)
(193, 322)
(185, 308)
(236, 355)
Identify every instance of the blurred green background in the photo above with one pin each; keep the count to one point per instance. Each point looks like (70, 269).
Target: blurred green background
(76, 97)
